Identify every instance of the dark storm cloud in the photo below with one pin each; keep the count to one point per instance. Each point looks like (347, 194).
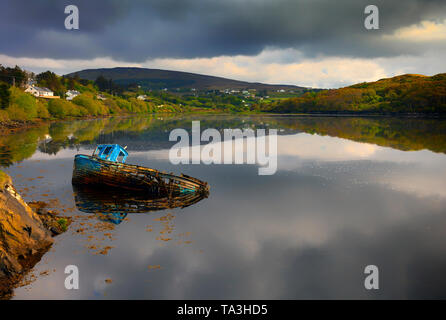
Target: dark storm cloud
(137, 30)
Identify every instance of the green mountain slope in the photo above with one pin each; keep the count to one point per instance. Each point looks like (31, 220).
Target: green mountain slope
(158, 79)
(408, 93)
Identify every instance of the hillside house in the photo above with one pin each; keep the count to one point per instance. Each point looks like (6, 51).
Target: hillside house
(40, 92)
(71, 94)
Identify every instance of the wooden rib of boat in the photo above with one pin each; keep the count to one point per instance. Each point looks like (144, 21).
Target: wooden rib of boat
(107, 167)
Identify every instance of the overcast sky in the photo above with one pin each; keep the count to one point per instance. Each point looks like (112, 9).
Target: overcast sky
(317, 43)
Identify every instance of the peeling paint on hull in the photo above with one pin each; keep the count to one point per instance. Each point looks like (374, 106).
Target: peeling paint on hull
(89, 170)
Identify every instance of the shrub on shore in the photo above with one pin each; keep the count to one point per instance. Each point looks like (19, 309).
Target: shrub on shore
(4, 179)
(93, 106)
(112, 106)
(137, 106)
(5, 95)
(23, 106)
(124, 104)
(62, 108)
(4, 117)
(42, 110)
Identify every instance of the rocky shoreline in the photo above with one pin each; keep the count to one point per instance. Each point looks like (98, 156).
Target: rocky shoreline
(25, 235)
(10, 126)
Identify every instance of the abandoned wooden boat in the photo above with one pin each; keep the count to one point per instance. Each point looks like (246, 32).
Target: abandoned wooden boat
(107, 167)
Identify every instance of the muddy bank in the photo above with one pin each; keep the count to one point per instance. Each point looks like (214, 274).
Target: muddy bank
(25, 235)
(11, 126)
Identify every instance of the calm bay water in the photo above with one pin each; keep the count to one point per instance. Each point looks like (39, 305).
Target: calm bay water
(348, 192)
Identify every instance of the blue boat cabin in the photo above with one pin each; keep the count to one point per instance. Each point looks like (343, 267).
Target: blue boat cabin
(111, 152)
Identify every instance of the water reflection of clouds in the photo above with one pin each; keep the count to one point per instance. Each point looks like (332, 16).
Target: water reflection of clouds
(419, 172)
(300, 145)
(317, 147)
(333, 207)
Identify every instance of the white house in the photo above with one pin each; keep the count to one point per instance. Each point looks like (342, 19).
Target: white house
(39, 92)
(71, 94)
(101, 97)
(33, 90)
(142, 97)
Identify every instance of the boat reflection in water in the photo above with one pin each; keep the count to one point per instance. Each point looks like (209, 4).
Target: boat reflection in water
(114, 205)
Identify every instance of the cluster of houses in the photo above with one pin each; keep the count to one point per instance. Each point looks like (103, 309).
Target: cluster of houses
(250, 92)
(71, 94)
(41, 92)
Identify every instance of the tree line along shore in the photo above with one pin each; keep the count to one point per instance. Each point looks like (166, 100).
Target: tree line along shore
(17, 105)
(26, 98)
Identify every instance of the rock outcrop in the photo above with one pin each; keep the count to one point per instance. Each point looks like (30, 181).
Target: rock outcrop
(25, 236)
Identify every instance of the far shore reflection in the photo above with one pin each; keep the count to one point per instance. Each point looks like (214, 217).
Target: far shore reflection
(348, 192)
(151, 133)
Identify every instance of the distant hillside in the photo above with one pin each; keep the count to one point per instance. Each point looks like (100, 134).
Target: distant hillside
(408, 93)
(159, 79)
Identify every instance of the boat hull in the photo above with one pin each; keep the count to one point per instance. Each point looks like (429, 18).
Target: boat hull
(89, 170)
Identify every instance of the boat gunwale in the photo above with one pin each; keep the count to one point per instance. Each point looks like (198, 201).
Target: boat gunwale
(185, 179)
